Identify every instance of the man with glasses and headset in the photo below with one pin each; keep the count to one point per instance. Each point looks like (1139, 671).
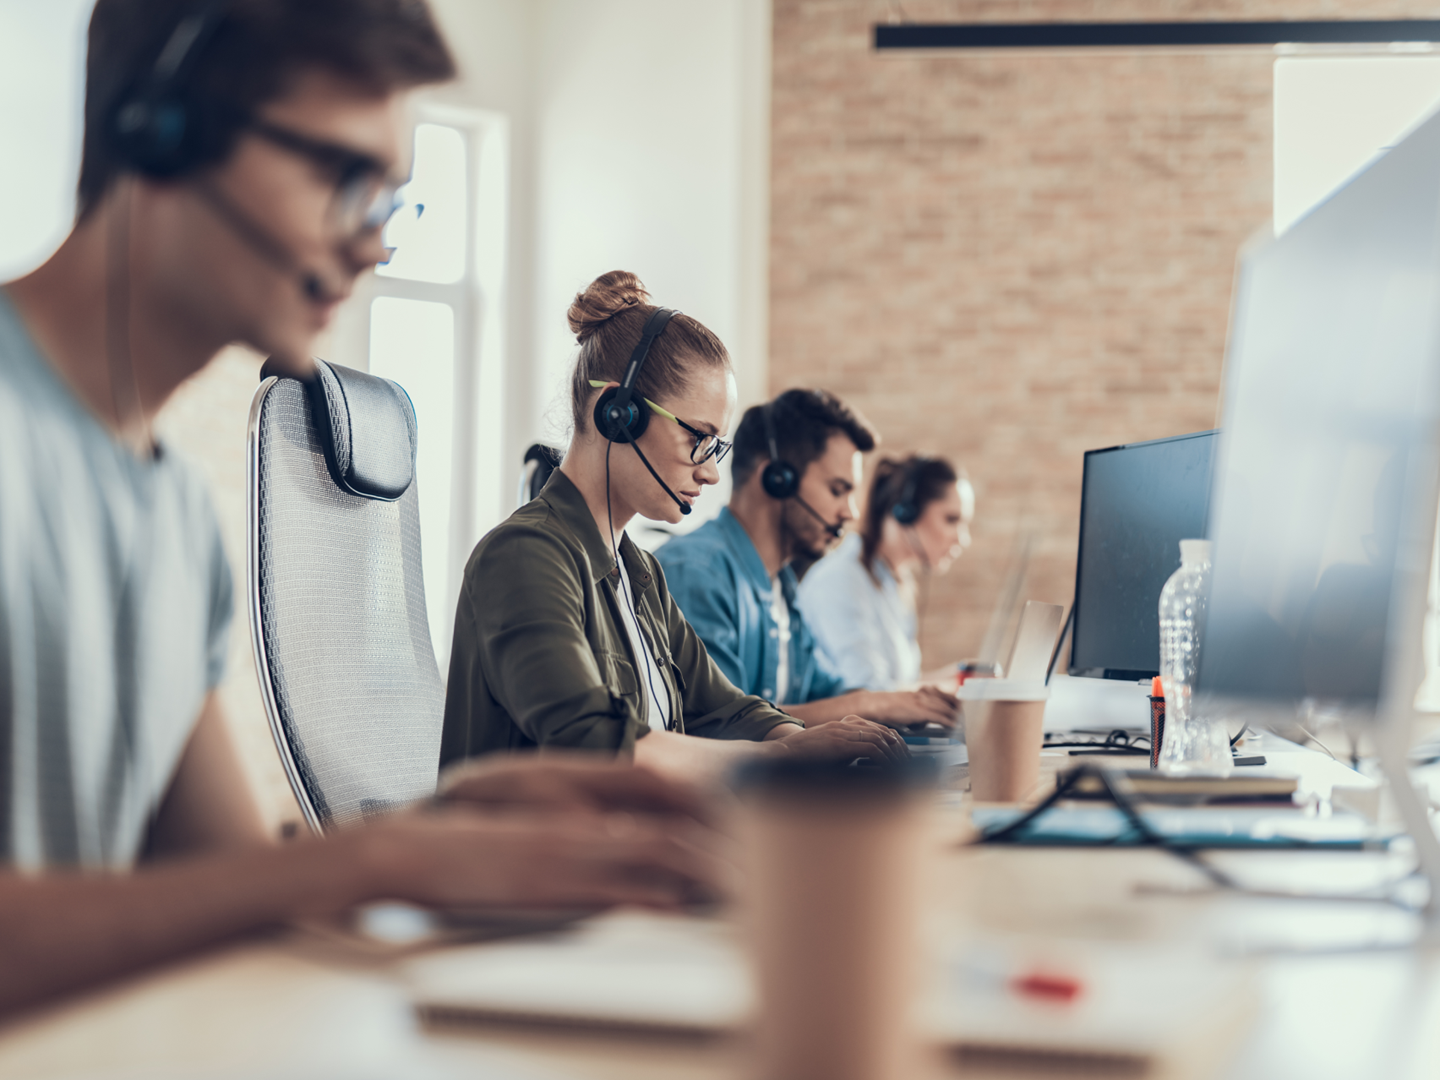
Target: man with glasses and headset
(240, 160)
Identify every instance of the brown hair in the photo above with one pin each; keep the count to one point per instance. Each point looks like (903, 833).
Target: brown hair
(258, 48)
(607, 320)
(803, 421)
(926, 479)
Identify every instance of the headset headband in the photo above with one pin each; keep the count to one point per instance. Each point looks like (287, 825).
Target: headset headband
(156, 126)
(906, 508)
(654, 327)
(770, 431)
(620, 413)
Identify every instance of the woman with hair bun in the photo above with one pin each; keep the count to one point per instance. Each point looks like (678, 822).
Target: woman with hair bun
(860, 599)
(565, 633)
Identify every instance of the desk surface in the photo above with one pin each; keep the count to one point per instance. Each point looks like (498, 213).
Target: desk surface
(294, 1006)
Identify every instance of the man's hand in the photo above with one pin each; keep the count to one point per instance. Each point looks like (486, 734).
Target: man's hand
(843, 740)
(551, 830)
(928, 704)
(457, 856)
(559, 782)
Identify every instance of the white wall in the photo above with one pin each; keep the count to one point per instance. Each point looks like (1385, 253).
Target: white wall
(652, 118)
(640, 141)
(41, 84)
(1333, 114)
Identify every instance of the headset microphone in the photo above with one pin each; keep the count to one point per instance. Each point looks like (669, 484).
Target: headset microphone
(311, 284)
(835, 531)
(684, 506)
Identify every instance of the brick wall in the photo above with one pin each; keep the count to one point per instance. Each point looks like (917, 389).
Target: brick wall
(1011, 259)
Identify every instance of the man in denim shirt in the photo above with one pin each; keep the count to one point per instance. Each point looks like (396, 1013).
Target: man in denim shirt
(733, 577)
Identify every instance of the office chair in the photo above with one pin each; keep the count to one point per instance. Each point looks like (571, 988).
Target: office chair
(540, 461)
(337, 603)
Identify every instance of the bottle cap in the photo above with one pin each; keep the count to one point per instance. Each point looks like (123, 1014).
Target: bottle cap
(1157, 687)
(1194, 551)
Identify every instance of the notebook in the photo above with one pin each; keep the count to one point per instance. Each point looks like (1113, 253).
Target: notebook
(1138, 1009)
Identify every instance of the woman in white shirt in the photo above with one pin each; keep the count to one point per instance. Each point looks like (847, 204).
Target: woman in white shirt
(860, 599)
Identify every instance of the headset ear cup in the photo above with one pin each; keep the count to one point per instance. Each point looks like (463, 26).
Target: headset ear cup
(154, 137)
(906, 513)
(780, 480)
(613, 423)
(601, 416)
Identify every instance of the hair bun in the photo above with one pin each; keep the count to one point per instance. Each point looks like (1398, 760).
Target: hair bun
(885, 471)
(607, 295)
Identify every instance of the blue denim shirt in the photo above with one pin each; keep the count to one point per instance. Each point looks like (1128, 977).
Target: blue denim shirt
(716, 576)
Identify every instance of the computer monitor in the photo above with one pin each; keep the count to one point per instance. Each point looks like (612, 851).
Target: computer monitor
(1323, 511)
(1137, 502)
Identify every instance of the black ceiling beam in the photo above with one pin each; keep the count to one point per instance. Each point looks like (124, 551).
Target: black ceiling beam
(1119, 35)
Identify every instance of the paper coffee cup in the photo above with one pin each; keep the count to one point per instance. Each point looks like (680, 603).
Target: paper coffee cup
(1004, 724)
(834, 860)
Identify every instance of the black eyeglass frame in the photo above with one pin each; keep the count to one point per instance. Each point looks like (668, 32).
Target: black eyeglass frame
(348, 166)
(718, 452)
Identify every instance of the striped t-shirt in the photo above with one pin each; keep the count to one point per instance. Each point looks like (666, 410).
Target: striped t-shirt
(115, 602)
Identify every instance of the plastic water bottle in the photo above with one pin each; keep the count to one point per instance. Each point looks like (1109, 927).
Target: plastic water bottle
(1193, 743)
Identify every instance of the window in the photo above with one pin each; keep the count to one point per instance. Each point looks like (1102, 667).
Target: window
(431, 320)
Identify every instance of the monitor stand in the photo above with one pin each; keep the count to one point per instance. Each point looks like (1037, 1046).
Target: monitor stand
(1392, 736)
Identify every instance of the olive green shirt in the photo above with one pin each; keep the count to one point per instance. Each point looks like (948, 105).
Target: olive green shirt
(541, 657)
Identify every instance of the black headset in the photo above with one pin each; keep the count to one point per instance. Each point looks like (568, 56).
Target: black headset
(621, 414)
(907, 508)
(781, 480)
(155, 126)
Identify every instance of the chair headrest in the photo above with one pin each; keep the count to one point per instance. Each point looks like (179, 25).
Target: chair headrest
(367, 427)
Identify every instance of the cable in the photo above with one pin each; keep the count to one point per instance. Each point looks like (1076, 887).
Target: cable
(923, 599)
(1118, 740)
(652, 664)
(1122, 802)
(118, 363)
(1060, 642)
(1190, 855)
(1309, 735)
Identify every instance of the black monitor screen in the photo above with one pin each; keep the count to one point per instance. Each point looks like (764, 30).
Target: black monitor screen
(1137, 503)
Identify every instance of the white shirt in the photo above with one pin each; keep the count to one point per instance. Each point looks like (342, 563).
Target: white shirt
(867, 630)
(652, 686)
(780, 611)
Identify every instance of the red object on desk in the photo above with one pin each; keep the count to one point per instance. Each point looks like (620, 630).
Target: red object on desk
(1039, 984)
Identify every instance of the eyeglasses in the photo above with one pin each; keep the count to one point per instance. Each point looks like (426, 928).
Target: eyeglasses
(365, 195)
(706, 446)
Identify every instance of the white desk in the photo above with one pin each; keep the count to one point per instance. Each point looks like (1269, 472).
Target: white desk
(291, 1007)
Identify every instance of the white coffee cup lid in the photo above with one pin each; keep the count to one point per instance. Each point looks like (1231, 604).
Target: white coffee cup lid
(1002, 690)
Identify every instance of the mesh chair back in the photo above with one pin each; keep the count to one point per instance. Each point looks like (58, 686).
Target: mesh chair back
(540, 461)
(337, 601)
